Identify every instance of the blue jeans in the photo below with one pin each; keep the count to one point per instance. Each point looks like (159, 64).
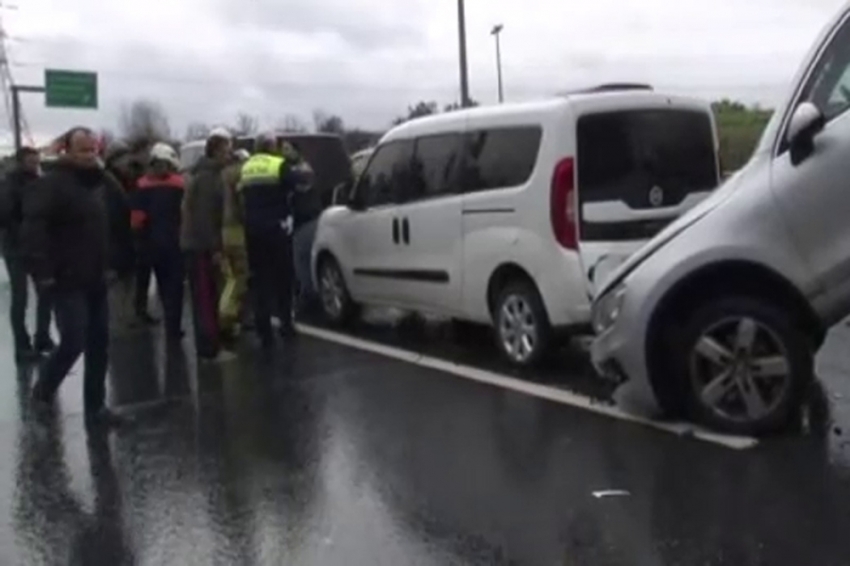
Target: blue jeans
(82, 317)
(302, 246)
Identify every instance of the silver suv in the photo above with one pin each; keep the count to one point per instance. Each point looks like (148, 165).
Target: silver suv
(718, 317)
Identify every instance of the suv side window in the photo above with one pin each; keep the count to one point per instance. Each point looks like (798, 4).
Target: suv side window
(385, 177)
(828, 86)
(434, 166)
(500, 158)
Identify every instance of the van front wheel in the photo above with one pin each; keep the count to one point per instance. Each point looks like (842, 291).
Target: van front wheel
(337, 304)
(746, 363)
(523, 332)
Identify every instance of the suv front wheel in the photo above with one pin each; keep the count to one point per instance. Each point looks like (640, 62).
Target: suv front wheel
(746, 365)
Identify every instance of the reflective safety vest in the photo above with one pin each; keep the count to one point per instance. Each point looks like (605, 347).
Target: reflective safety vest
(266, 200)
(262, 169)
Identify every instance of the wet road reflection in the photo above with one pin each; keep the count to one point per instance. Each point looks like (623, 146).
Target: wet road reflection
(331, 456)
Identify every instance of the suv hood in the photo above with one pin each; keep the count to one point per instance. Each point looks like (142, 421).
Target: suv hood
(694, 215)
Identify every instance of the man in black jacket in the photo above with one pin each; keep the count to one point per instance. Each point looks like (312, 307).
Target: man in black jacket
(18, 181)
(66, 243)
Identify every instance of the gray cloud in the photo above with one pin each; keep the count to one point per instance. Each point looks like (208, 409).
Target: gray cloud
(368, 59)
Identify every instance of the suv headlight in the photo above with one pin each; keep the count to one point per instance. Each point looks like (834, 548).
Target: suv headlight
(606, 308)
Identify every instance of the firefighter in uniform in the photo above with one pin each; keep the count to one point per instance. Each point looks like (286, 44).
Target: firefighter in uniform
(265, 190)
(234, 264)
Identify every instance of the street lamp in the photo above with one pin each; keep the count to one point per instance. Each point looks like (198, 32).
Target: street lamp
(496, 31)
(464, 78)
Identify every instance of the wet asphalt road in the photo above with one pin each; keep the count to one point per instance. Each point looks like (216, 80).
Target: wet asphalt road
(332, 456)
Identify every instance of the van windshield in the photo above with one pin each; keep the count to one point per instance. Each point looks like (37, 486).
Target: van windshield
(634, 164)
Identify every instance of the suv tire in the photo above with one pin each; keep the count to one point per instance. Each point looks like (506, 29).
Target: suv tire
(745, 364)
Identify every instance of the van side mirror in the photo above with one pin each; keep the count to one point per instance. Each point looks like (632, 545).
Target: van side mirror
(807, 121)
(342, 194)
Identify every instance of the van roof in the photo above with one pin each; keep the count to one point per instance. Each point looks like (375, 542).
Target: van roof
(609, 95)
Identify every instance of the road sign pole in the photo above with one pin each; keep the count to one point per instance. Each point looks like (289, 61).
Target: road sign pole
(16, 109)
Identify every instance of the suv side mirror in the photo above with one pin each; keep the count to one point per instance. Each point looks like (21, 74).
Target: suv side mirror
(807, 121)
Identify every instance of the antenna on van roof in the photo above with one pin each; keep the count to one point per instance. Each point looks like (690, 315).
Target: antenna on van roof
(611, 87)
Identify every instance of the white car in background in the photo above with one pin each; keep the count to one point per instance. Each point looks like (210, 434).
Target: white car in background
(509, 215)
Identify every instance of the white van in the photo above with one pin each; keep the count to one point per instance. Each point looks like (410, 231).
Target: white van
(509, 214)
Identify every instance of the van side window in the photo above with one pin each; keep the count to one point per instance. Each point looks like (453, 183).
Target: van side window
(434, 167)
(829, 84)
(500, 157)
(388, 172)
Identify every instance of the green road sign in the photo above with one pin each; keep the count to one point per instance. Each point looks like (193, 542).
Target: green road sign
(70, 89)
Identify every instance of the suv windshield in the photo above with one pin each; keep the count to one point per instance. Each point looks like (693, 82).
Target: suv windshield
(642, 159)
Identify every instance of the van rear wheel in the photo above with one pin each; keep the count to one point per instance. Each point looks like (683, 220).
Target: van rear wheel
(522, 328)
(746, 364)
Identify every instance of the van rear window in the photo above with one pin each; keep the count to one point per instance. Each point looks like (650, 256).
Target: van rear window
(622, 156)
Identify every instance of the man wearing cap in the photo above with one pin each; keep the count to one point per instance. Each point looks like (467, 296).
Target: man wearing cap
(201, 241)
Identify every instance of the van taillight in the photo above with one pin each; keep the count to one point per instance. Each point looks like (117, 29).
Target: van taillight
(563, 206)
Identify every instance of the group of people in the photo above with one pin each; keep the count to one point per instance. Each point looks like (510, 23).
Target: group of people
(226, 226)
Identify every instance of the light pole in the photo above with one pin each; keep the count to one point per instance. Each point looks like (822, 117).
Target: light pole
(497, 30)
(464, 77)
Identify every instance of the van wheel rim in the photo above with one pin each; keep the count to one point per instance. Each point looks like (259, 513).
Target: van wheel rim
(740, 369)
(518, 328)
(332, 291)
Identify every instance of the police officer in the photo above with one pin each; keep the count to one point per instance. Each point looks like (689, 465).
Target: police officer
(266, 185)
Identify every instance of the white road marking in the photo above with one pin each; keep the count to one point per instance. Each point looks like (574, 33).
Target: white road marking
(534, 389)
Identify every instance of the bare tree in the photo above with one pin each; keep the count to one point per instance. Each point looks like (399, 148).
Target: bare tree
(197, 131)
(144, 121)
(328, 123)
(246, 125)
(292, 123)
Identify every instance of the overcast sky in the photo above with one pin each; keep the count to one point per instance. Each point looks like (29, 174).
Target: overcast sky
(366, 60)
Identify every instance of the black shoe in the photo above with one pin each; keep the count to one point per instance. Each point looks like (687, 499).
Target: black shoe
(105, 419)
(175, 335)
(44, 345)
(42, 403)
(25, 353)
(146, 319)
(287, 331)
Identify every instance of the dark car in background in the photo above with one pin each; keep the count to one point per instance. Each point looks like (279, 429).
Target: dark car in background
(324, 152)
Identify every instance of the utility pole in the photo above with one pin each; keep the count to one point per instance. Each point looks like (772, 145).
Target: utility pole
(464, 75)
(16, 109)
(496, 32)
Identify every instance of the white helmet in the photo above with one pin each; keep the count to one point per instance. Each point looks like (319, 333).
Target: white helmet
(164, 152)
(242, 154)
(220, 132)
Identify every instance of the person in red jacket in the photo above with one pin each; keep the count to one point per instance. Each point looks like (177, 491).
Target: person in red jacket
(156, 216)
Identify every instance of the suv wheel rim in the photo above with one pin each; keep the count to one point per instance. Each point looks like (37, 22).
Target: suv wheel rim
(740, 369)
(332, 291)
(517, 328)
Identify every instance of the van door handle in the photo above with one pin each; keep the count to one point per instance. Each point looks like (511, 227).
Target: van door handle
(395, 230)
(405, 231)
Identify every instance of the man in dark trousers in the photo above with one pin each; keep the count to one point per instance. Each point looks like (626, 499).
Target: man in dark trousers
(265, 190)
(129, 303)
(306, 209)
(66, 244)
(19, 180)
(156, 211)
(200, 239)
